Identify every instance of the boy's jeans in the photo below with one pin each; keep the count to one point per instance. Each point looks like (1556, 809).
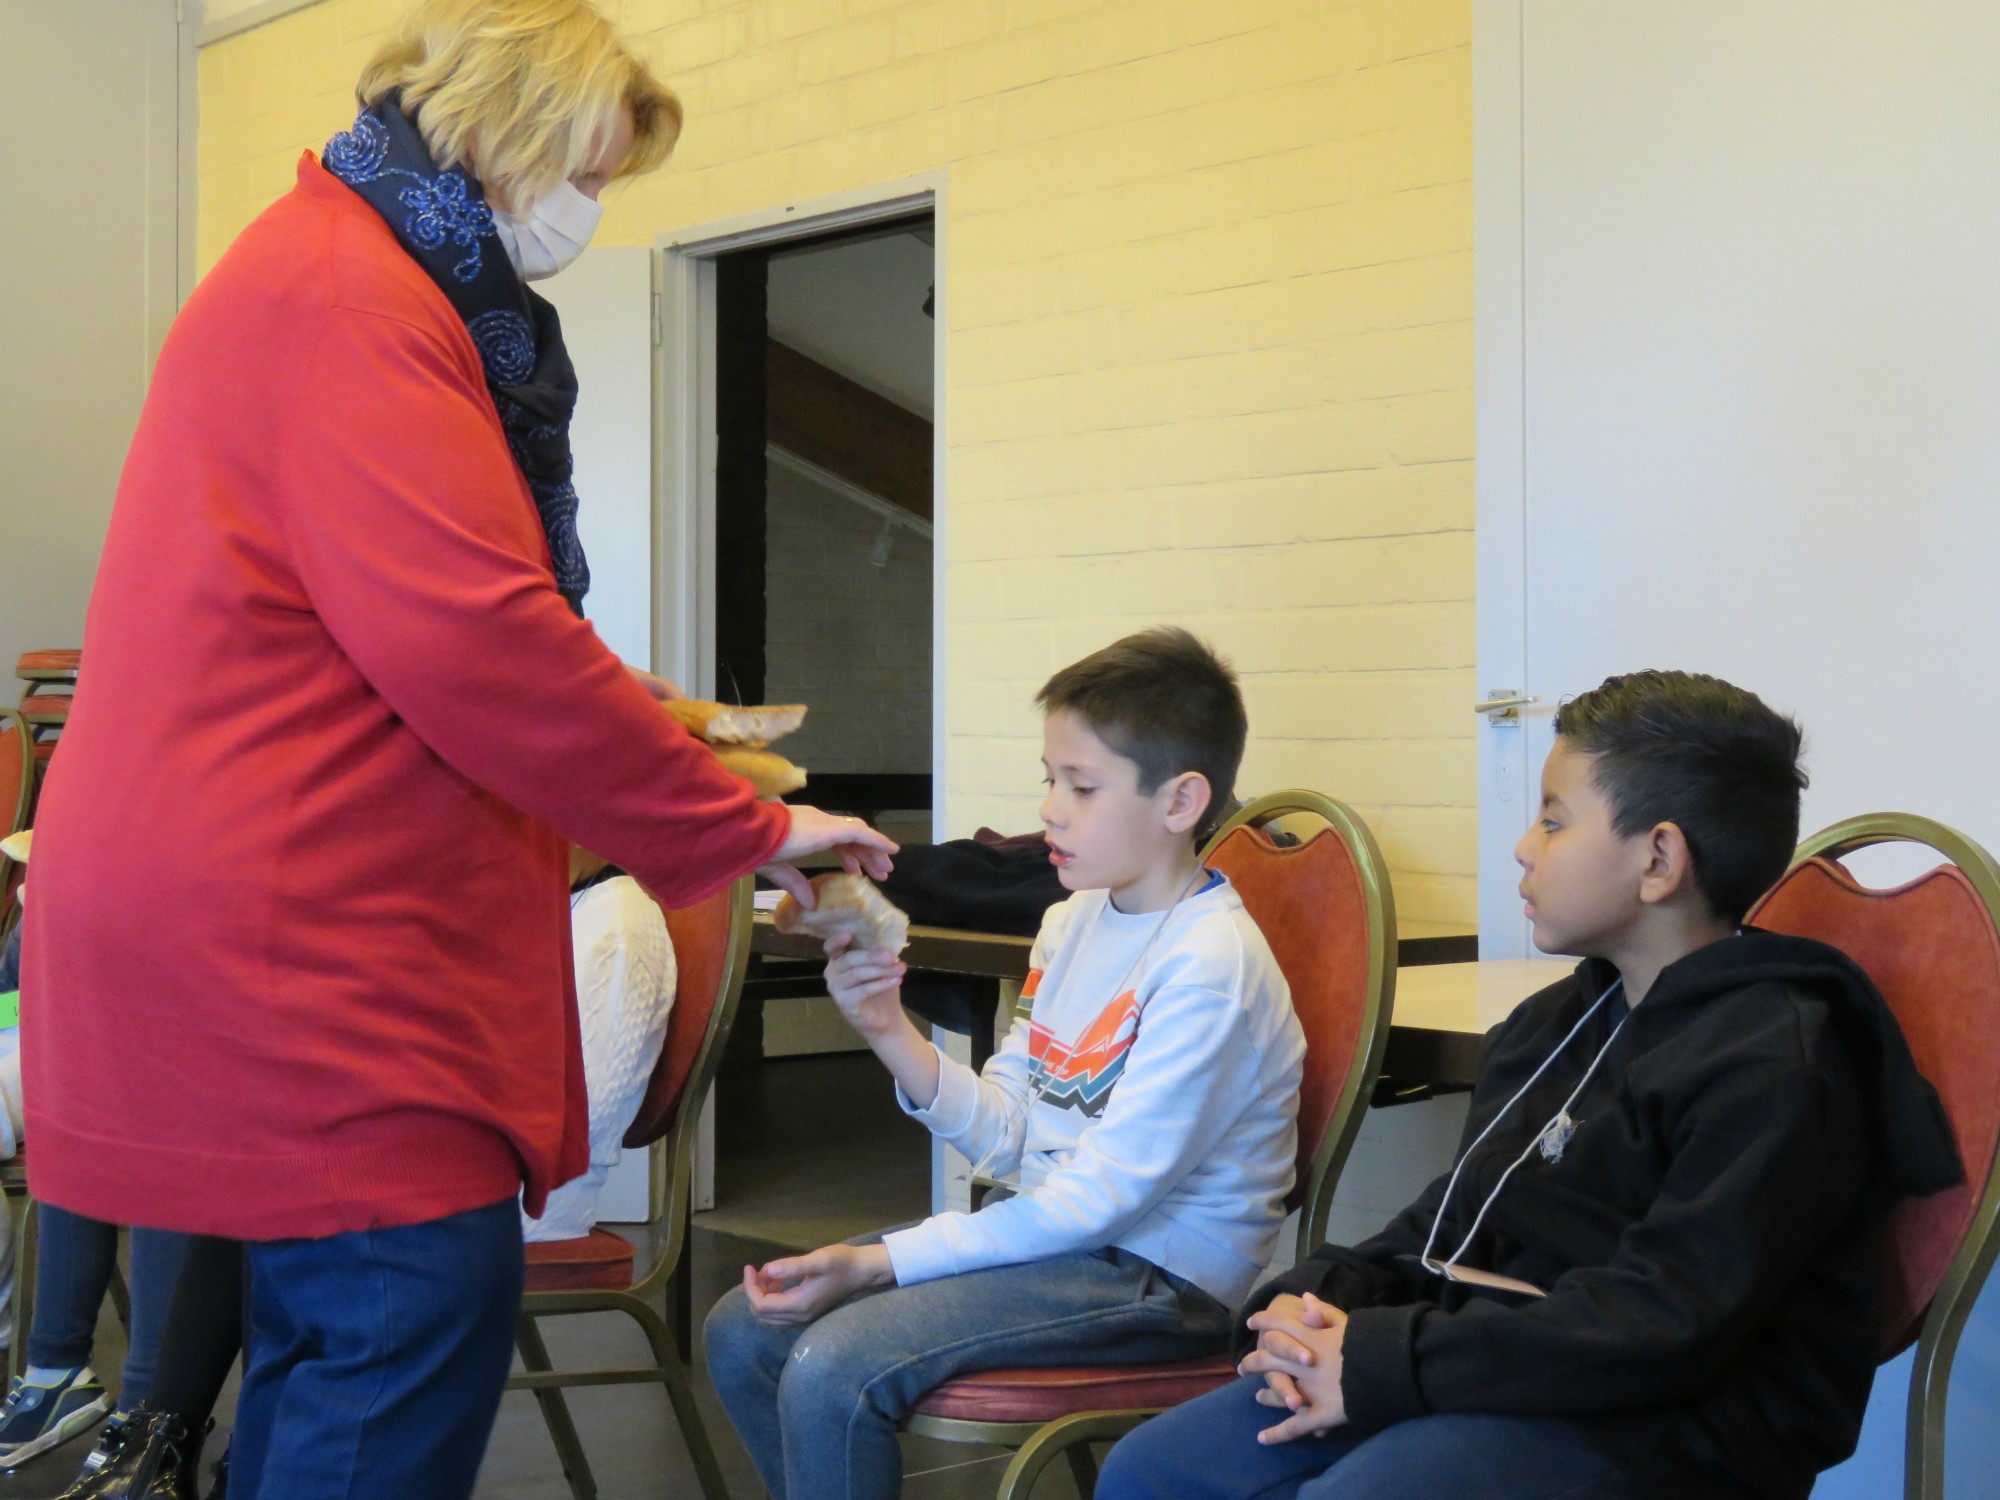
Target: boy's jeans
(1207, 1449)
(818, 1405)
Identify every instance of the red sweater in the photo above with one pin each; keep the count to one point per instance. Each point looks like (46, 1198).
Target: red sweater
(297, 958)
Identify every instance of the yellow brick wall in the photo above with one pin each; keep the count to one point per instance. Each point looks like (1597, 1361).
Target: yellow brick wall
(1209, 269)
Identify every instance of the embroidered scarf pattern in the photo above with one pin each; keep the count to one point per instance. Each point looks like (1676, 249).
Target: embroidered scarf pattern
(441, 219)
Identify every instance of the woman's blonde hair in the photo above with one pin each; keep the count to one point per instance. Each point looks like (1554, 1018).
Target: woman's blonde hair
(522, 93)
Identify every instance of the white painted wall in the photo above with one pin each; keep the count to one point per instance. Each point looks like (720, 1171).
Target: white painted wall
(90, 268)
(1739, 351)
(844, 633)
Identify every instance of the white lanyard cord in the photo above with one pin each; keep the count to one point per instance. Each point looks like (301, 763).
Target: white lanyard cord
(1430, 1241)
(1019, 1110)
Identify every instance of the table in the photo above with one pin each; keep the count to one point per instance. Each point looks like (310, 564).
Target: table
(1443, 1012)
(1444, 1003)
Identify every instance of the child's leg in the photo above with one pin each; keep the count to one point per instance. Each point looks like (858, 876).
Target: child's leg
(1475, 1456)
(156, 1263)
(1207, 1449)
(843, 1388)
(746, 1359)
(203, 1333)
(72, 1269)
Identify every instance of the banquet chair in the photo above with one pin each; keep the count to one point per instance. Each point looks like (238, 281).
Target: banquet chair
(17, 800)
(597, 1273)
(1310, 874)
(1932, 946)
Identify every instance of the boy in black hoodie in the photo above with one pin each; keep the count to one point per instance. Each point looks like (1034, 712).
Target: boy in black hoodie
(1656, 1268)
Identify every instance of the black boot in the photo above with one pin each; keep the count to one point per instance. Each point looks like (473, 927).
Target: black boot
(220, 1474)
(156, 1458)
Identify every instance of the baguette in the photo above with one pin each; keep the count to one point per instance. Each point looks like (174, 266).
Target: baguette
(847, 904)
(15, 845)
(772, 775)
(727, 724)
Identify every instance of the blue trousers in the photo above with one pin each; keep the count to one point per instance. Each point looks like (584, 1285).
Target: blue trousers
(1208, 1450)
(376, 1359)
(818, 1406)
(74, 1257)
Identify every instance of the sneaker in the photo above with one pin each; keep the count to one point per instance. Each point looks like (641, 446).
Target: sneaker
(36, 1418)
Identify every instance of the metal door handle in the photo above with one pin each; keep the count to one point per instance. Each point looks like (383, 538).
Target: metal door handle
(1504, 706)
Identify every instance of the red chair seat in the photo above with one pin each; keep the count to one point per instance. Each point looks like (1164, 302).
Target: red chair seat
(1047, 1394)
(35, 665)
(599, 1262)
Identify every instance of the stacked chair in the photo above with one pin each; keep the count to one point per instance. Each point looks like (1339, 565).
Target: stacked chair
(48, 682)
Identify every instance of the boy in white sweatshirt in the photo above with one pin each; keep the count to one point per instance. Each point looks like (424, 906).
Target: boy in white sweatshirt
(1148, 1101)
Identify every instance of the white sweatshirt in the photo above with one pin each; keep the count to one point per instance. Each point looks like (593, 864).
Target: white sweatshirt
(1149, 1100)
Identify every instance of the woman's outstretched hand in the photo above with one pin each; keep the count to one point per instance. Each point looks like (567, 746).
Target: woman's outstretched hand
(658, 686)
(859, 848)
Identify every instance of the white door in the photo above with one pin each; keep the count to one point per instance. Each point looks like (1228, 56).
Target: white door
(606, 304)
(1739, 381)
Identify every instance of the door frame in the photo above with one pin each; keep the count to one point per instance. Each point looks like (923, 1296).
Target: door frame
(684, 435)
(684, 447)
(1506, 749)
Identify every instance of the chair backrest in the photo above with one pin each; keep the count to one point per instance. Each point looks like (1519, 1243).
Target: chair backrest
(711, 954)
(1932, 946)
(1310, 874)
(17, 798)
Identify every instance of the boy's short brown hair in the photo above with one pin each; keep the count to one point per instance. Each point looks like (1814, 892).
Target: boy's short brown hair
(1167, 703)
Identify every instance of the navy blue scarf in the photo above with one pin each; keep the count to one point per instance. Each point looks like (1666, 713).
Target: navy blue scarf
(442, 220)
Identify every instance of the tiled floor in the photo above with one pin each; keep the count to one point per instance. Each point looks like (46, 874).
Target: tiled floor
(812, 1149)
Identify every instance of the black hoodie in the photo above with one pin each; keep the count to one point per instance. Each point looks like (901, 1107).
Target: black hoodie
(1710, 1238)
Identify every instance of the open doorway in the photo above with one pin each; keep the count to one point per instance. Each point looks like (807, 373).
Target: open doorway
(824, 507)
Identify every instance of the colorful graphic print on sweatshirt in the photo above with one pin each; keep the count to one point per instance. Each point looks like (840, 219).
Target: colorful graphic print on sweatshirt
(1081, 1075)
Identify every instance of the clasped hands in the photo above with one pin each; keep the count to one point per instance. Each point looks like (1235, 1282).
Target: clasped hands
(801, 1287)
(1298, 1353)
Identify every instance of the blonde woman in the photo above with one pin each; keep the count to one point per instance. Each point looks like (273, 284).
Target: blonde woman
(298, 967)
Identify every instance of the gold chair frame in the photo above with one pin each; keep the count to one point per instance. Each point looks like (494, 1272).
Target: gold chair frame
(1039, 1444)
(637, 1301)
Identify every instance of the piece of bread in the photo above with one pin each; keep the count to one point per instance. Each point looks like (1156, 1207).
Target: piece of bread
(727, 724)
(772, 775)
(847, 904)
(15, 846)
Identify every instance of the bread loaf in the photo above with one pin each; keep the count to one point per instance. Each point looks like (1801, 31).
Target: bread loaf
(772, 775)
(847, 904)
(728, 724)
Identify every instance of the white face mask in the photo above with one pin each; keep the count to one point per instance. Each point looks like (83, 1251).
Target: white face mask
(549, 235)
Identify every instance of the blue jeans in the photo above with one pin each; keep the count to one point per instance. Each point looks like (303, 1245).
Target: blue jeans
(818, 1405)
(1207, 1449)
(74, 1257)
(376, 1359)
